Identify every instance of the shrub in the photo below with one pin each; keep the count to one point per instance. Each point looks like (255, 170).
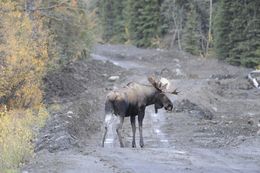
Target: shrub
(17, 134)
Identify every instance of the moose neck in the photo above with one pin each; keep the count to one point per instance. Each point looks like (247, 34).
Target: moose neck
(151, 95)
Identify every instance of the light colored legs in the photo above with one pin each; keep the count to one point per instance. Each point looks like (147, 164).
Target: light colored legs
(133, 130)
(140, 123)
(108, 119)
(104, 136)
(119, 125)
(119, 128)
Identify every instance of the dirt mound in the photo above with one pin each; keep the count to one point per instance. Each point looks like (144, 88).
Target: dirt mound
(78, 77)
(193, 109)
(239, 88)
(73, 96)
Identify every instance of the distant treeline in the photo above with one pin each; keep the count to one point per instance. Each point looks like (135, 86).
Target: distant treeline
(229, 28)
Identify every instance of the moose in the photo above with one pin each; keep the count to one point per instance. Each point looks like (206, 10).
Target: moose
(131, 101)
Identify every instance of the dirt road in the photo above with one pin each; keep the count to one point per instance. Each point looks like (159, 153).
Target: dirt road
(215, 126)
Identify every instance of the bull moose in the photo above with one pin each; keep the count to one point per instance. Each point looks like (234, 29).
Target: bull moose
(131, 101)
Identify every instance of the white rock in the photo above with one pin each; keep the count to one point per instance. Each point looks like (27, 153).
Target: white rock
(215, 109)
(69, 112)
(178, 72)
(113, 78)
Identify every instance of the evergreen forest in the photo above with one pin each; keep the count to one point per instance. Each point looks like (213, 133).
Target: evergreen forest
(229, 29)
(38, 37)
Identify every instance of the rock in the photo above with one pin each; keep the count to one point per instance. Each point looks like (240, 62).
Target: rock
(113, 78)
(140, 58)
(228, 122)
(69, 112)
(215, 109)
(178, 72)
(250, 122)
(104, 75)
(241, 138)
(258, 133)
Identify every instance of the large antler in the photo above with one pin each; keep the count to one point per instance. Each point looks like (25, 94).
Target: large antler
(154, 82)
(161, 85)
(175, 92)
(158, 84)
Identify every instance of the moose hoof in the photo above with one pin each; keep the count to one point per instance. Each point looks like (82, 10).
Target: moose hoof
(141, 143)
(133, 144)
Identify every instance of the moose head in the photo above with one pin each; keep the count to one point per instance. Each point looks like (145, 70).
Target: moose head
(162, 85)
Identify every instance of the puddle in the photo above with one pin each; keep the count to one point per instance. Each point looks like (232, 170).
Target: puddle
(121, 63)
(157, 121)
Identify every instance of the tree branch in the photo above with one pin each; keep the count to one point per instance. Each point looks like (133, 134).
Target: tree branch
(48, 8)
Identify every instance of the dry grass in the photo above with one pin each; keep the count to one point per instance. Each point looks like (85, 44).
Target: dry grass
(17, 131)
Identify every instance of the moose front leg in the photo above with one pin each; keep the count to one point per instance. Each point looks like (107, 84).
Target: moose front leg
(132, 119)
(140, 123)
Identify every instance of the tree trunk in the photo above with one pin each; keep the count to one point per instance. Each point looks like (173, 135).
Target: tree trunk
(210, 25)
(173, 38)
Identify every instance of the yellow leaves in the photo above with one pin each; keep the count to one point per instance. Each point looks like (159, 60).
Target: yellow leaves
(24, 60)
(156, 41)
(16, 135)
(22, 66)
(74, 3)
(210, 38)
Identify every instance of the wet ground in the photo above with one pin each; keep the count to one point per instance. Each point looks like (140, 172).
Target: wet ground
(215, 125)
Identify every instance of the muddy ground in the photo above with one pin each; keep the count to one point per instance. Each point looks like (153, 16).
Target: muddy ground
(215, 125)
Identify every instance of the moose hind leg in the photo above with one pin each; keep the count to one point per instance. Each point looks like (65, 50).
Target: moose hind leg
(104, 137)
(119, 128)
(132, 118)
(108, 119)
(140, 123)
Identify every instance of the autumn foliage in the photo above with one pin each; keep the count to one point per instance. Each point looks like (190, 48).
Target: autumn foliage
(22, 66)
(35, 37)
(23, 61)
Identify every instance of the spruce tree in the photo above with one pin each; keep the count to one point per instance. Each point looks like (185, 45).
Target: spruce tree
(150, 20)
(107, 18)
(222, 29)
(237, 32)
(143, 21)
(119, 22)
(132, 14)
(191, 43)
(251, 45)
